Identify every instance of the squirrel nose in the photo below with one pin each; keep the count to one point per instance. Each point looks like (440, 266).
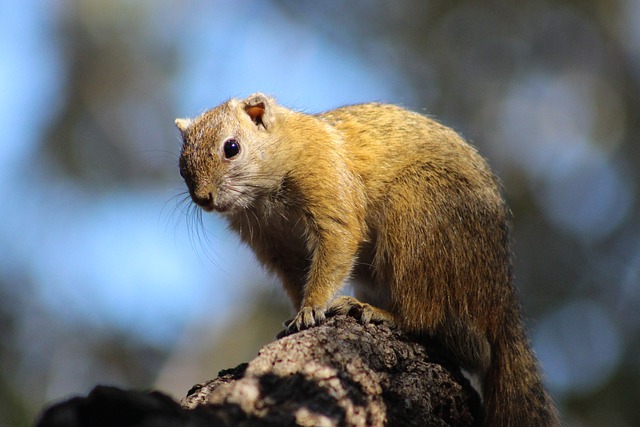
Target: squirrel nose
(204, 200)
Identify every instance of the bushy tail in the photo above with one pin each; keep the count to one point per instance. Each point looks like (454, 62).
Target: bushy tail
(514, 393)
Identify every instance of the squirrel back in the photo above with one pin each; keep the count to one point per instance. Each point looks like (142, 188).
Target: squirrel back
(395, 201)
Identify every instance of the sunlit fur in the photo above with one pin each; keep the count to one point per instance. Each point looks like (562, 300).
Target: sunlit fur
(390, 198)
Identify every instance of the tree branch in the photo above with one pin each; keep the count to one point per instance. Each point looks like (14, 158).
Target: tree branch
(338, 374)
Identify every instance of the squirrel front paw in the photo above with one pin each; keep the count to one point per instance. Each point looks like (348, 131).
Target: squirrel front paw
(363, 312)
(306, 318)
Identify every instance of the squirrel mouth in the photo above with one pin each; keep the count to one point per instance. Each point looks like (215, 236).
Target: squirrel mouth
(221, 208)
(205, 207)
(210, 206)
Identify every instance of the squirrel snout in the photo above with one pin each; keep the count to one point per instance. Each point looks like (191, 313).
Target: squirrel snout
(204, 200)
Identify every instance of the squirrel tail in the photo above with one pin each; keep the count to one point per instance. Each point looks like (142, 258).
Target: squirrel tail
(514, 393)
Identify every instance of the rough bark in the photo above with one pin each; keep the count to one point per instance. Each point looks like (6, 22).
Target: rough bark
(338, 374)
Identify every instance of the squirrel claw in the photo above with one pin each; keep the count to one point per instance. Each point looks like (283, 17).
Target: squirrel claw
(283, 333)
(306, 318)
(363, 312)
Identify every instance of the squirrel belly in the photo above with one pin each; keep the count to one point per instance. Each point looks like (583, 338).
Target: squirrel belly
(395, 201)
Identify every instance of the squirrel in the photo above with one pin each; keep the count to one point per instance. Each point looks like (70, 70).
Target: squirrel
(392, 200)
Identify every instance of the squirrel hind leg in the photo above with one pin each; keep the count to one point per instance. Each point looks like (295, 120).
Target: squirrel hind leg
(363, 312)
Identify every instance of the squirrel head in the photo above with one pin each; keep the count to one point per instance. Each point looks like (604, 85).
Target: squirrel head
(223, 153)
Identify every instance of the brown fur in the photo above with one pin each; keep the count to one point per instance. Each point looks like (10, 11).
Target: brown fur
(390, 198)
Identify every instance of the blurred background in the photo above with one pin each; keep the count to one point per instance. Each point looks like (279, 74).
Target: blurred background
(107, 276)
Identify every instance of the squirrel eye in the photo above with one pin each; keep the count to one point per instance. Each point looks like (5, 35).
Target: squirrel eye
(231, 148)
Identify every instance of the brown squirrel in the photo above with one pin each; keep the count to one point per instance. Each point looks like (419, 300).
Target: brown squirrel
(395, 201)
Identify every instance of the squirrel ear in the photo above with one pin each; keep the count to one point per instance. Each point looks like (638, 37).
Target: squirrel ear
(183, 124)
(259, 109)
